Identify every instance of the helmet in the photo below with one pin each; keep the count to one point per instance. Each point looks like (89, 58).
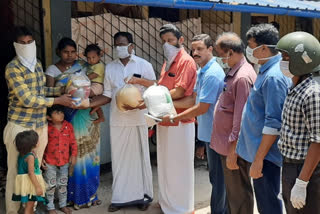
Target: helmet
(303, 50)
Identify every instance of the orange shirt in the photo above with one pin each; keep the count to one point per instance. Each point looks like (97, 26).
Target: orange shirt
(182, 73)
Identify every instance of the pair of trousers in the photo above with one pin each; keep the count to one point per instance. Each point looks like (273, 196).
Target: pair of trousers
(291, 171)
(9, 135)
(218, 202)
(267, 189)
(56, 178)
(238, 186)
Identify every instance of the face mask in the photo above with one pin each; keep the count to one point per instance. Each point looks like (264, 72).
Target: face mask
(222, 64)
(122, 51)
(170, 52)
(27, 54)
(284, 67)
(256, 67)
(253, 59)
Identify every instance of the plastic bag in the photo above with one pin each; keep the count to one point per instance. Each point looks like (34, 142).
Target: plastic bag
(62, 79)
(128, 95)
(78, 87)
(158, 101)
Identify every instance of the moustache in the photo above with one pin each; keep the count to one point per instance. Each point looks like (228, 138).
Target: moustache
(196, 56)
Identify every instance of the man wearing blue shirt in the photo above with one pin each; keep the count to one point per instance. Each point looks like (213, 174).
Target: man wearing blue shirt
(261, 119)
(210, 82)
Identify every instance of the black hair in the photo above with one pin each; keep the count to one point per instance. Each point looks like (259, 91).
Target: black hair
(264, 34)
(26, 141)
(124, 34)
(205, 38)
(19, 31)
(54, 108)
(63, 43)
(275, 24)
(170, 28)
(230, 41)
(92, 47)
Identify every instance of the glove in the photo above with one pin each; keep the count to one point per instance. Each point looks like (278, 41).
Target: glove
(299, 193)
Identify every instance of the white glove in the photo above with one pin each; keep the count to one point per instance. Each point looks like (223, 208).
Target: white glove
(299, 193)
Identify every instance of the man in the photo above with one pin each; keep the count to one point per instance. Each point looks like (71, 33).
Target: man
(131, 168)
(208, 87)
(300, 131)
(261, 119)
(175, 140)
(27, 104)
(238, 83)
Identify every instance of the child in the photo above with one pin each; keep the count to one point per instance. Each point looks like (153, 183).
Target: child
(59, 156)
(29, 185)
(95, 73)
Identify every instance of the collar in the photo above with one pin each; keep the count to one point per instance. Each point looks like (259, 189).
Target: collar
(132, 58)
(300, 87)
(236, 67)
(208, 65)
(270, 63)
(178, 55)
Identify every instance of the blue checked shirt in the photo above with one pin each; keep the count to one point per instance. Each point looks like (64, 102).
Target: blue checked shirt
(300, 120)
(27, 94)
(262, 112)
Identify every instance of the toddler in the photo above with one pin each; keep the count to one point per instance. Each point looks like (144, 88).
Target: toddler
(29, 184)
(59, 157)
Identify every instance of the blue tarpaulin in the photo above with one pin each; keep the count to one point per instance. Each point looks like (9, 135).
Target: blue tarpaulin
(280, 7)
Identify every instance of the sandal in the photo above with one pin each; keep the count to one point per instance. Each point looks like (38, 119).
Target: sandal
(143, 207)
(97, 203)
(113, 208)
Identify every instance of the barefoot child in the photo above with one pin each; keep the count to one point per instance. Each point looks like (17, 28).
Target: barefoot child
(29, 184)
(95, 73)
(59, 156)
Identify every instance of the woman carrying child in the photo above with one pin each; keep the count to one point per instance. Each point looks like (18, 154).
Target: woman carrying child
(83, 183)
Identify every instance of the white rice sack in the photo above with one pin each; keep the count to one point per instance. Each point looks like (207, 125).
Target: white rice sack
(158, 101)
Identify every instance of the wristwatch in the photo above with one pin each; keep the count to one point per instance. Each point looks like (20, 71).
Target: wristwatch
(171, 118)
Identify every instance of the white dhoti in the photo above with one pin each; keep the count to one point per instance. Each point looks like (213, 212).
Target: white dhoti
(131, 168)
(175, 152)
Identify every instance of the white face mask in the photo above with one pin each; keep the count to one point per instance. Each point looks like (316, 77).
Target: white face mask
(122, 51)
(170, 52)
(221, 63)
(284, 67)
(27, 54)
(253, 59)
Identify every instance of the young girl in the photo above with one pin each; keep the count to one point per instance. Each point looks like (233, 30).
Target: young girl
(29, 185)
(95, 73)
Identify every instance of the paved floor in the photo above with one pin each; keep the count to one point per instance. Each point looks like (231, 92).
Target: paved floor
(202, 195)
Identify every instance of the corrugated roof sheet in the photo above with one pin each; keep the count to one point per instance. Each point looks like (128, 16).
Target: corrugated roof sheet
(286, 4)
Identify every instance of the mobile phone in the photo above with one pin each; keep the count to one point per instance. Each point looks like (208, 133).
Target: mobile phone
(137, 75)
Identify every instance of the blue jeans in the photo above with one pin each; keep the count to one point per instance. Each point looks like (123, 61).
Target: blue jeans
(56, 178)
(218, 203)
(267, 189)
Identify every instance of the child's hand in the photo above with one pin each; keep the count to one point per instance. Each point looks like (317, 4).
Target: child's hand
(39, 190)
(99, 120)
(44, 165)
(73, 160)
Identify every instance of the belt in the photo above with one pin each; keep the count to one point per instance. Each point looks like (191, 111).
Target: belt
(289, 160)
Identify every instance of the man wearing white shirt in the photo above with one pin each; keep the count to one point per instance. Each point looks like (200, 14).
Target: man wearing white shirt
(131, 168)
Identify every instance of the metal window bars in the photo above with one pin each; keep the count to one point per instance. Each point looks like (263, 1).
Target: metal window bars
(101, 28)
(29, 13)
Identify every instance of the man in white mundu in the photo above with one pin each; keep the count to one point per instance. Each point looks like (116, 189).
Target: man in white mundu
(175, 140)
(131, 168)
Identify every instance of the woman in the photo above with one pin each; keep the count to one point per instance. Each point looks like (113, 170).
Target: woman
(85, 177)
